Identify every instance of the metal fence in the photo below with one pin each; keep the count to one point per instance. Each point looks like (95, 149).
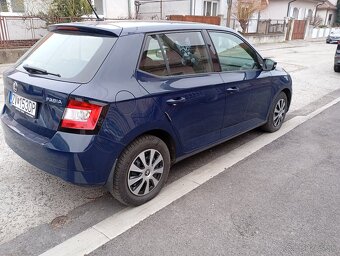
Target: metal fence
(259, 26)
(20, 31)
(24, 31)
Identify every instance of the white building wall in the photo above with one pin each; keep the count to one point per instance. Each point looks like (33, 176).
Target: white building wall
(160, 10)
(223, 8)
(178, 7)
(117, 9)
(303, 8)
(276, 10)
(148, 10)
(35, 6)
(198, 7)
(324, 14)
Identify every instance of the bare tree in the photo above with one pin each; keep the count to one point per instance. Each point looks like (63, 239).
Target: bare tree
(245, 9)
(316, 21)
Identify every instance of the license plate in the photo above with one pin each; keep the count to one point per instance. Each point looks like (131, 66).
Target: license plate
(23, 105)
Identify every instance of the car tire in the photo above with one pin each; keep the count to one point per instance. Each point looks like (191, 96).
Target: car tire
(336, 68)
(277, 113)
(141, 171)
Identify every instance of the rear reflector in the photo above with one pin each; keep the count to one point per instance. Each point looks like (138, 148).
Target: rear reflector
(81, 115)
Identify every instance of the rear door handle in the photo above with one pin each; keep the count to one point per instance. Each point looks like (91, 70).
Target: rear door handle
(233, 89)
(175, 101)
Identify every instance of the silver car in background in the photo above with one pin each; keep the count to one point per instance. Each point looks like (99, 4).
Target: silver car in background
(333, 37)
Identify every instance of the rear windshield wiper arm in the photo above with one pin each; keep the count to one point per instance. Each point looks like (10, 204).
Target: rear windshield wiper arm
(35, 70)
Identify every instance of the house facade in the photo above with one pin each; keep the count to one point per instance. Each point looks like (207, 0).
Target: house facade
(162, 9)
(327, 12)
(300, 10)
(159, 9)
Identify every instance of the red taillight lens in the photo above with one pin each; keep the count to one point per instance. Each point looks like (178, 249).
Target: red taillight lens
(81, 115)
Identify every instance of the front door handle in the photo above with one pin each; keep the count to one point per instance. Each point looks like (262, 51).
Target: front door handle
(175, 101)
(233, 89)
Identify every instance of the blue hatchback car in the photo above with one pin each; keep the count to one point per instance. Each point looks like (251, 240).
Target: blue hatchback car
(117, 103)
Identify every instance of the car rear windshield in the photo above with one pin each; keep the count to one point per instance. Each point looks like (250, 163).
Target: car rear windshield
(72, 57)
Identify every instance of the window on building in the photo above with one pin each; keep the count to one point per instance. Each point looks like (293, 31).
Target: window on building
(296, 13)
(310, 14)
(330, 16)
(210, 8)
(234, 54)
(3, 6)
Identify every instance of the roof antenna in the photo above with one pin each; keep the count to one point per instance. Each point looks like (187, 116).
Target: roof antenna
(98, 19)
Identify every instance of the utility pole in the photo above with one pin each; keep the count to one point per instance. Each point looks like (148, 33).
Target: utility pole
(161, 8)
(229, 2)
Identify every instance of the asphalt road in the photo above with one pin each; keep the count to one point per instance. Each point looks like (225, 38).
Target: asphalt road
(282, 200)
(39, 211)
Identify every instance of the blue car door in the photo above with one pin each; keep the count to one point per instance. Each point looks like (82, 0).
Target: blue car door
(248, 89)
(175, 69)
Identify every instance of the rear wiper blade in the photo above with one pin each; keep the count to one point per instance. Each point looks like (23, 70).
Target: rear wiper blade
(40, 71)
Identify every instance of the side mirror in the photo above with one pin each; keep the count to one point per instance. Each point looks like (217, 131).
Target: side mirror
(269, 65)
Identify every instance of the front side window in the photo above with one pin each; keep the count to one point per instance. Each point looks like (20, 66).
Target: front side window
(175, 54)
(233, 53)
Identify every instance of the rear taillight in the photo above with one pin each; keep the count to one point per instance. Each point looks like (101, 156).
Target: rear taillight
(81, 115)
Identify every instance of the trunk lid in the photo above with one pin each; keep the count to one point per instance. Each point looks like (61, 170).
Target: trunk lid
(50, 97)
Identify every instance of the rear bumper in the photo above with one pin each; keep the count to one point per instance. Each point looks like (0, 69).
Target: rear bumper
(79, 159)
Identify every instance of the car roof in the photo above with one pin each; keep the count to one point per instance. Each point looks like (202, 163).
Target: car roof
(126, 27)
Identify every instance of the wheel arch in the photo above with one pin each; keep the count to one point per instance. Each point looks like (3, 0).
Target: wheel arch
(159, 133)
(168, 140)
(289, 96)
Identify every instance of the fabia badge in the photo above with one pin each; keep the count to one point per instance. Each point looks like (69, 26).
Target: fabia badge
(15, 86)
(53, 100)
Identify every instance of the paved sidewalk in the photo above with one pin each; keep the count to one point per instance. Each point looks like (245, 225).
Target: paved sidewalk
(289, 44)
(3, 67)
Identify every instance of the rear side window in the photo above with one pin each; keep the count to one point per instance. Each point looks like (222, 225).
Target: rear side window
(172, 54)
(75, 57)
(153, 58)
(234, 54)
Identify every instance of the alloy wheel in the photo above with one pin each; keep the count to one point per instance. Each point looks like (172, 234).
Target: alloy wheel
(145, 172)
(279, 112)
